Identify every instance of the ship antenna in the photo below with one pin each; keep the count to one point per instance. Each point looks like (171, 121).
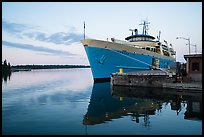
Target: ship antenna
(84, 29)
(145, 27)
(158, 37)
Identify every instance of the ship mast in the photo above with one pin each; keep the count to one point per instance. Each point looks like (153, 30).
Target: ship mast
(145, 27)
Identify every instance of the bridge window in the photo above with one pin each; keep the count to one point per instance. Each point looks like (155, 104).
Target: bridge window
(147, 48)
(138, 38)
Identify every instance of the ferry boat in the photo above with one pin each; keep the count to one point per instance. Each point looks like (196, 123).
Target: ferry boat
(137, 52)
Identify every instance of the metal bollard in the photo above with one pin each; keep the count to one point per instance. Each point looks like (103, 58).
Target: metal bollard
(120, 70)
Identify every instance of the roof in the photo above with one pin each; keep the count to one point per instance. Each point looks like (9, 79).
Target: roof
(193, 56)
(139, 35)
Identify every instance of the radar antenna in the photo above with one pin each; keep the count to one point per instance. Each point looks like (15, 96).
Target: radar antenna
(145, 27)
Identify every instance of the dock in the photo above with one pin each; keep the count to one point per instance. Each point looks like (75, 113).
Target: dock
(152, 78)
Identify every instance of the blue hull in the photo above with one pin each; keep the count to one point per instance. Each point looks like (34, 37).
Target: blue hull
(104, 62)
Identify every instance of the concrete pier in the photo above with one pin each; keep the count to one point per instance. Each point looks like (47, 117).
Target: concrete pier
(151, 78)
(189, 86)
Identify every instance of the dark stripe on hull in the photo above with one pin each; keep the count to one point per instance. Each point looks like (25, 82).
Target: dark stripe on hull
(100, 80)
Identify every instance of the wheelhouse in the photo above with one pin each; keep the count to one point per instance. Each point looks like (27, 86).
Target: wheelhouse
(139, 37)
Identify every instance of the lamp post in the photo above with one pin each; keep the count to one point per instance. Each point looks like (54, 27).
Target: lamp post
(195, 47)
(185, 39)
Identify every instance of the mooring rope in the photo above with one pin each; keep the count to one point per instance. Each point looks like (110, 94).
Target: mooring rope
(131, 58)
(139, 61)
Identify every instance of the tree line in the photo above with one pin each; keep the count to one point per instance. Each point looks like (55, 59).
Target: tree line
(6, 70)
(6, 67)
(48, 66)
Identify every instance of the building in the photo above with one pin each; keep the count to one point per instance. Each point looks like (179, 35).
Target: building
(194, 66)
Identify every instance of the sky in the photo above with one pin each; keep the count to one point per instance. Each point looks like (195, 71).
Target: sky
(50, 32)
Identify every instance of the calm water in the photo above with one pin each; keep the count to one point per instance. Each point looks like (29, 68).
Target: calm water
(66, 101)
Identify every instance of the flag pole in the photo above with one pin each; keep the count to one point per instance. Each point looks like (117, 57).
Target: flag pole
(84, 29)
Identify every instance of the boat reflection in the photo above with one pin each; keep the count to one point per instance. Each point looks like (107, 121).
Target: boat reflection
(112, 102)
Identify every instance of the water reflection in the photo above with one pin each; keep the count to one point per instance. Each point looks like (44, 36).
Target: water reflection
(178, 99)
(6, 76)
(113, 102)
(45, 102)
